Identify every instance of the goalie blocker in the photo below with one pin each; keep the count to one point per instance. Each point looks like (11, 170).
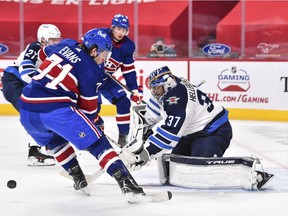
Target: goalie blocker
(211, 173)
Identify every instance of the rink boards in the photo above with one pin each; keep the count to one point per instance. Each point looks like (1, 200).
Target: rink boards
(253, 90)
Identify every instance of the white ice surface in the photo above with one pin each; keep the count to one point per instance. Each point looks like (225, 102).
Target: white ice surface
(42, 191)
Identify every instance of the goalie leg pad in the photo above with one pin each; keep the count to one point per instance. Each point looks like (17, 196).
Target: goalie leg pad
(213, 173)
(163, 168)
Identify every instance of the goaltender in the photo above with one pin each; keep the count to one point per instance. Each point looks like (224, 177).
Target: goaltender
(196, 131)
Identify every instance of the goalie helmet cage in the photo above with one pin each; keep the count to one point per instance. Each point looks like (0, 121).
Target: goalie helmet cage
(208, 173)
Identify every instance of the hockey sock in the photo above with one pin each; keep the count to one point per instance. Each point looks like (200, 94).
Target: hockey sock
(107, 157)
(65, 156)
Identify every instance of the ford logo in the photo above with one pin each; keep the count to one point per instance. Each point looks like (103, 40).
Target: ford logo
(3, 48)
(216, 49)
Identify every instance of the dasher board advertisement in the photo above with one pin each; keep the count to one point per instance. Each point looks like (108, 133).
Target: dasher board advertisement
(248, 85)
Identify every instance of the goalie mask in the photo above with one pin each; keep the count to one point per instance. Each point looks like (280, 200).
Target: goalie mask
(48, 31)
(98, 38)
(161, 80)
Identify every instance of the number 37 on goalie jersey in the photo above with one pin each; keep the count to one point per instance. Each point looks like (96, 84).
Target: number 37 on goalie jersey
(188, 116)
(203, 107)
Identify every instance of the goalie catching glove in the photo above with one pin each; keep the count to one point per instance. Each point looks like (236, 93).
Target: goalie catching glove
(134, 155)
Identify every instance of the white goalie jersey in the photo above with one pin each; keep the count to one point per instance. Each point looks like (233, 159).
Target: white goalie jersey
(183, 111)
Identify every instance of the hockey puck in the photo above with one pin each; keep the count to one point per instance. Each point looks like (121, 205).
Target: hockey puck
(169, 195)
(11, 184)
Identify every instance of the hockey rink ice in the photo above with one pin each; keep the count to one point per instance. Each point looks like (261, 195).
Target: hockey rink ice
(42, 191)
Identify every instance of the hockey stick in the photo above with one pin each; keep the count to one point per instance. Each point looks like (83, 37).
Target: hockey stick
(92, 177)
(121, 85)
(125, 87)
(89, 177)
(154, 197)
(199, 84)
(118, 82)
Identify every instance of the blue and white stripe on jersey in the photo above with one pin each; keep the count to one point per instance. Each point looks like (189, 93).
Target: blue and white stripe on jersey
(164, 139)
(153, 108)
(26, 70)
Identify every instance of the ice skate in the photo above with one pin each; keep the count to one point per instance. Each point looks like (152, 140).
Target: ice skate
(131, 190)
(37, 158)
(263, 178)
(80, 182)
(122, 140)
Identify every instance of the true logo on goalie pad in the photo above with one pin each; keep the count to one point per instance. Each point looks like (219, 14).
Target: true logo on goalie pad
(211, 161)
(221, 162)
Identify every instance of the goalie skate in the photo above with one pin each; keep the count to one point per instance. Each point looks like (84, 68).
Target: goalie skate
(263, 178)
(37, 158)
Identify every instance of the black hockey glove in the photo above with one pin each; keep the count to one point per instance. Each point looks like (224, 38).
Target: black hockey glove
(146, 135)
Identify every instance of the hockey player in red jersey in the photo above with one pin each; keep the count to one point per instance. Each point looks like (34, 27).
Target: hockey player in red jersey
(122, 58)
(60, 104)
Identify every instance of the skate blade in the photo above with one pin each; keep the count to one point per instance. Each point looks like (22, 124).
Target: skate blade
(85, 191)
(35, 162)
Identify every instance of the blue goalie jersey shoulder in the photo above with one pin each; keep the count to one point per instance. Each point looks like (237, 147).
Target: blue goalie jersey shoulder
(175, 99)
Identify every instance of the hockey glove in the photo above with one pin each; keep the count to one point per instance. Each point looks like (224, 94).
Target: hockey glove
(137, 95)
(147, 134)
(134, 161)
(98, 121)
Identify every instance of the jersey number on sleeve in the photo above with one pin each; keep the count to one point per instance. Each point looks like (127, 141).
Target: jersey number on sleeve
(203, 99)
(31, 54)
(173, 120)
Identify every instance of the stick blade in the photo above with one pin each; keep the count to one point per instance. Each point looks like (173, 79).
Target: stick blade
(160, 197)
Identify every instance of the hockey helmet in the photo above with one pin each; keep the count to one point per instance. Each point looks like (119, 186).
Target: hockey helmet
(48, 31)
(99, 38)
(121, 21)
(161, 77)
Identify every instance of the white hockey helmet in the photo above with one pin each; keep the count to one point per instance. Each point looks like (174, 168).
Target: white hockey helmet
(48, 31)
